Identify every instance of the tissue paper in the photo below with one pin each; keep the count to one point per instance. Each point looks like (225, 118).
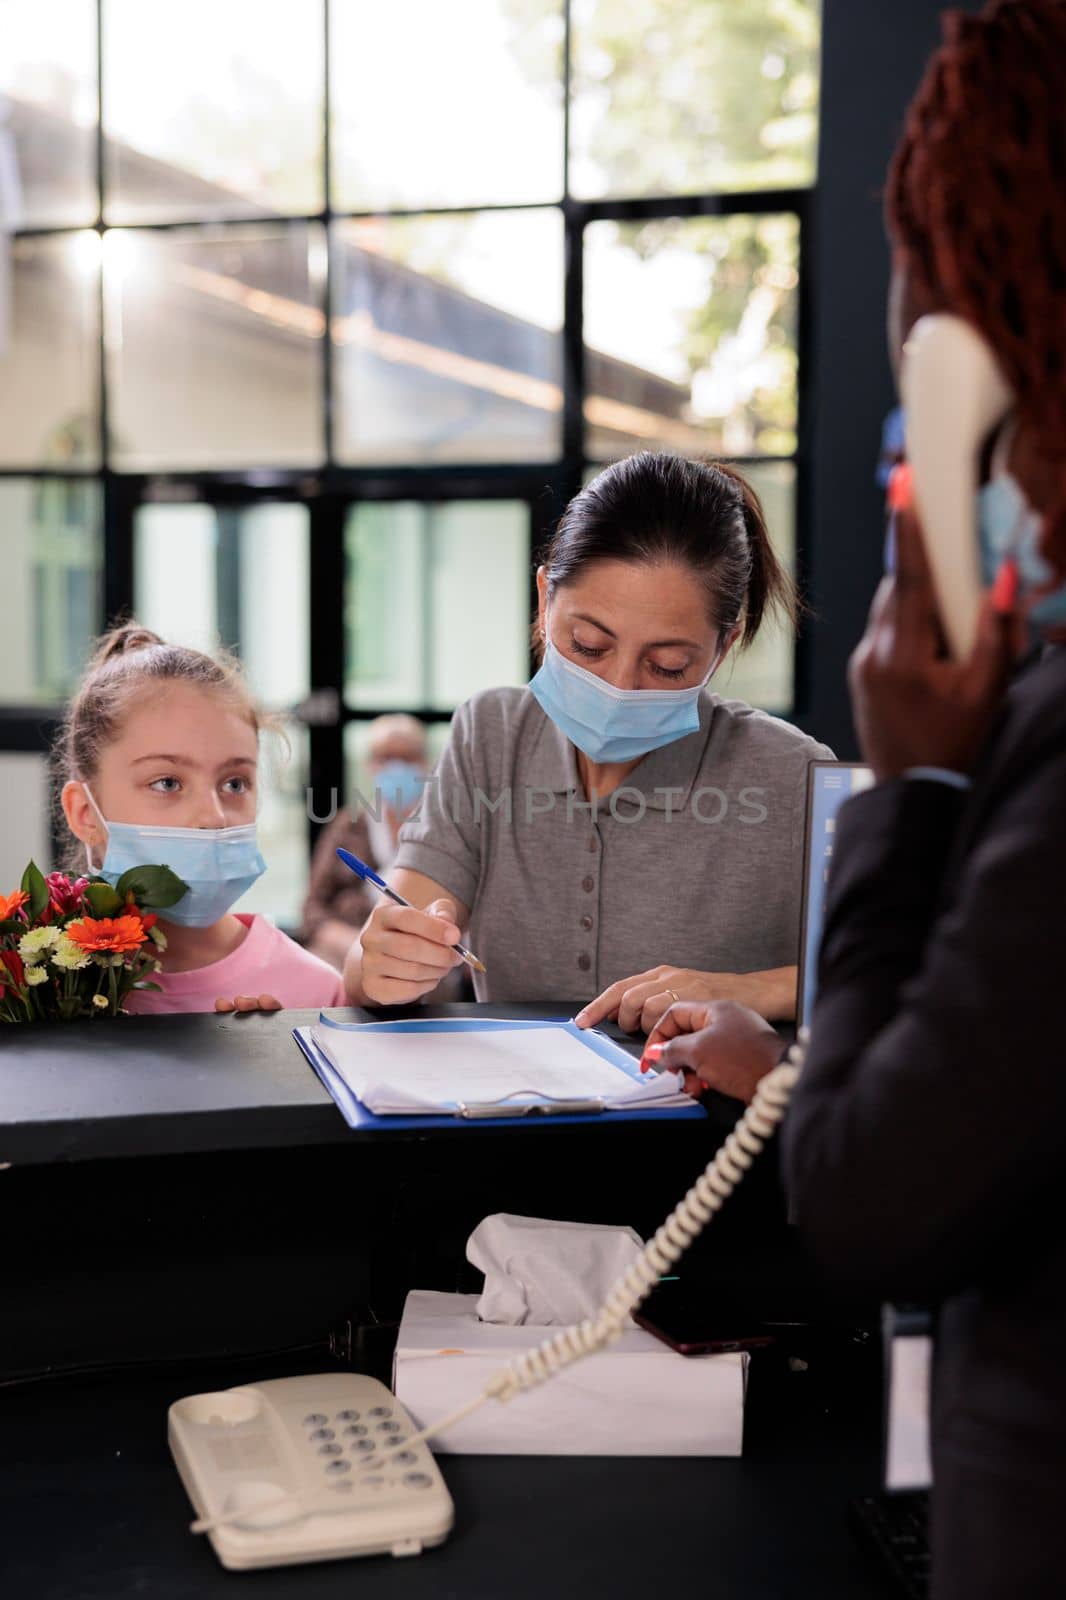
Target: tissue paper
(549, 1273)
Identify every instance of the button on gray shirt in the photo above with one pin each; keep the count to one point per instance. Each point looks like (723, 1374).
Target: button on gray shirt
(696, 861)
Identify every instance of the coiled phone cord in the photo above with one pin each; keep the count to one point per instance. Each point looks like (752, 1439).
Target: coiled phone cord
(684, 1224)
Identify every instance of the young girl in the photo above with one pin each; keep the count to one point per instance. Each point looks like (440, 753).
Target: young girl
(157, 763)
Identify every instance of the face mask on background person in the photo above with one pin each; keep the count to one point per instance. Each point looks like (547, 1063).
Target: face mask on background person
(400, 785)
(218, 864)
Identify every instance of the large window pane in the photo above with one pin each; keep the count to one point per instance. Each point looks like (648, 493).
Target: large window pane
(691, 333)
(212, 110)
(49, 360)
(214, 343)
(446, 105)
(446, 338)
(205, 575)
(414, 571)
(52, 565)
(48, 113)
(672, 98)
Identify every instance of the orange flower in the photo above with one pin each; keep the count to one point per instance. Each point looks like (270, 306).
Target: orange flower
(11, 903)
(117, 934)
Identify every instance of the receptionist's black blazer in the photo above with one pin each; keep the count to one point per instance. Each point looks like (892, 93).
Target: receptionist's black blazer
(925, 1150)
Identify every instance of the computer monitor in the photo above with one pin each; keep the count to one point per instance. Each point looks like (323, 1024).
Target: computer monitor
(829, 784)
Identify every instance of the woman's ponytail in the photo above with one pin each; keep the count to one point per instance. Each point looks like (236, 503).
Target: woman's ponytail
(771, 589)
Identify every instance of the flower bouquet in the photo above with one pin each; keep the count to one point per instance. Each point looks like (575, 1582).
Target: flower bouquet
(76, 947)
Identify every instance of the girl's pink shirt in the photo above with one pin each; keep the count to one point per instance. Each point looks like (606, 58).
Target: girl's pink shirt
(266, 961)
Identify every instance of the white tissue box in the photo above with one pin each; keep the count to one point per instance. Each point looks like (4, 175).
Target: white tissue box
(635, 1398)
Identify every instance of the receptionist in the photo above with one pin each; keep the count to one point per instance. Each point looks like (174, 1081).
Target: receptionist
(616, 832)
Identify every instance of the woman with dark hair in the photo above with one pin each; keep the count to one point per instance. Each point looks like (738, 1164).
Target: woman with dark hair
(615, 812)
(926, 1145)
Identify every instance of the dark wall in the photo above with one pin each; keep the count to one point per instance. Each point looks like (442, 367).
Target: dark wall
(873, 54)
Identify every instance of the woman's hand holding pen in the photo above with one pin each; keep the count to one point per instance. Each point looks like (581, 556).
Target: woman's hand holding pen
(717, 1045)
(407, 952)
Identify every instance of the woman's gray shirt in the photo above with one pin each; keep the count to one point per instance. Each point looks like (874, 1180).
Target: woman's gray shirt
(695, 861)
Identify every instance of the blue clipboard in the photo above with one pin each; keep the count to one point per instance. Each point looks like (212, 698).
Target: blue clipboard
(357, 1116)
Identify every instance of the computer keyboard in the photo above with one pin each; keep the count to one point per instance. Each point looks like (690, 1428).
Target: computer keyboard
(896, 1528)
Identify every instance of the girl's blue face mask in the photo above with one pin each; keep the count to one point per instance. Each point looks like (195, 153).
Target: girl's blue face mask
(218, 864)
(610, 724)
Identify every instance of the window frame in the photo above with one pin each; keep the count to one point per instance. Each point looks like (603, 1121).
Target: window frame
(331, 489)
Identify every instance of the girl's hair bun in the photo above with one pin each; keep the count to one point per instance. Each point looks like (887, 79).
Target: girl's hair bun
(122, 641)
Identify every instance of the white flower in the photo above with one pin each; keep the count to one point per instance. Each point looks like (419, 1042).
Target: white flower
(68, 956)
(36, 975)
(34, 945)
(118, 960)
(158, 938)
(101, 1001)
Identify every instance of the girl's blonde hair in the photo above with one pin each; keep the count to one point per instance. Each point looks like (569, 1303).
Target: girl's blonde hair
(128, 660)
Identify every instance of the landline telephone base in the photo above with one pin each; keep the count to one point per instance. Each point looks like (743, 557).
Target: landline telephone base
(295, 1470)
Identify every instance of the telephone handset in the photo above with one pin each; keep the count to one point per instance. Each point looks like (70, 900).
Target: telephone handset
(953, 393)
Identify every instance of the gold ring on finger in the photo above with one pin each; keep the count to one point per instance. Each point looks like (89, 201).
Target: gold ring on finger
(676, 998)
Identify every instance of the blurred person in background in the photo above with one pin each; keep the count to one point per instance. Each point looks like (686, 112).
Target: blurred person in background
(337, 903)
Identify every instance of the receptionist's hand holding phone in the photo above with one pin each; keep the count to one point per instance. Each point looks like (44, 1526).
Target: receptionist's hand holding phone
(914, 705)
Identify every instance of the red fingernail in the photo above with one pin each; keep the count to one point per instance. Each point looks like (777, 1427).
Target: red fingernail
(652, 1052)
(901, 487)
(1005, 587)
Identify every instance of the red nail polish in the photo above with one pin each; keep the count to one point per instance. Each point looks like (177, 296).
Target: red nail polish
(1005, 587)
(901, 487)
(652, 1052)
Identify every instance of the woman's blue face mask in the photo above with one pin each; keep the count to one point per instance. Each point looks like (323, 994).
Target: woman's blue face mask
(218, 864)
(610, 724)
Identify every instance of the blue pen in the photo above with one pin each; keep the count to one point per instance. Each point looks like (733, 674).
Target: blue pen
(368, 874)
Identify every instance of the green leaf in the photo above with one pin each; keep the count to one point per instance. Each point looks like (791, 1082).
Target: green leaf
(153, 888)
(34, 885)
(103, 900)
